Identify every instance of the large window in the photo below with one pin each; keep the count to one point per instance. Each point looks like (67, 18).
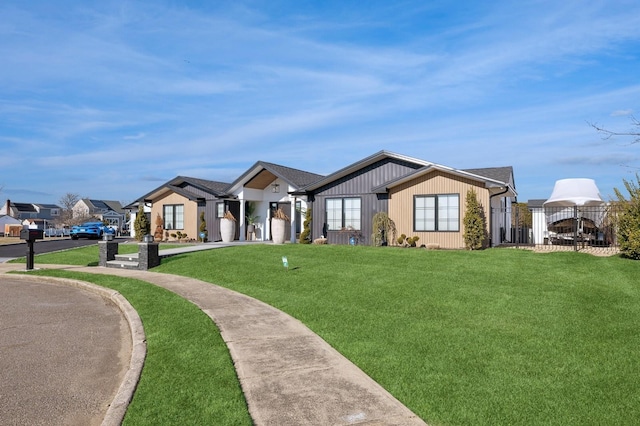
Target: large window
(436, 212)
(173, 216)
(343, 213)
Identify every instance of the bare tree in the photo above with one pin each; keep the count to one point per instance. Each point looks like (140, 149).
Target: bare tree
(608, 134)
(67, 202)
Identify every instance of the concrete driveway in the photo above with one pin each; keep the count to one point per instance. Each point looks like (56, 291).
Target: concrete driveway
(64, 352)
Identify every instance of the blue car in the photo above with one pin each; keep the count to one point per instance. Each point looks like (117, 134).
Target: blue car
(90, 230)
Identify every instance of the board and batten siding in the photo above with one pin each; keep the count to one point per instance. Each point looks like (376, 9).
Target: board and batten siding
(358, 184)
(434, 183)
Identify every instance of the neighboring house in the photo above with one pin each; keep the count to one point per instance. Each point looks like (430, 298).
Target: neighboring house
(131, 211)
(10, 226)
(269, 187)
(108, 211)
(180, 201)
(424, 199)
(48, 212)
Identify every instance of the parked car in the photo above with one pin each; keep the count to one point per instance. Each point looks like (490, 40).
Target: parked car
(90, 230)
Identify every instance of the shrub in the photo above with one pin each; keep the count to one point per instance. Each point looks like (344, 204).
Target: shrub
(203, 229)
(629, 220)
(157, 235)
(475, 229)
(401, 239)
(383, 227)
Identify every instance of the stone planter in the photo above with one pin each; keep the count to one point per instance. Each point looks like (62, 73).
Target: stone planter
(227, 230)
(278, 230)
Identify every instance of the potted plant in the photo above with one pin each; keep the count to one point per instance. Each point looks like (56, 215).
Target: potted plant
(252, 218)
(227, 227)
(278, 223)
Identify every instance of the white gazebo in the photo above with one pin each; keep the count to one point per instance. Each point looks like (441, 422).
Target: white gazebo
(574, 211)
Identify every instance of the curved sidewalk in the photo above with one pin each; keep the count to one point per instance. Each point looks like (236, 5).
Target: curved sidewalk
(288, 374)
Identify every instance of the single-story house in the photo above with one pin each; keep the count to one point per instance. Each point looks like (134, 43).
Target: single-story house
(423, 198)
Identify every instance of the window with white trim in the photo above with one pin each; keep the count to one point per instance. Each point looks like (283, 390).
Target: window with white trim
(343, 213)
(173, 216)
(436, 212)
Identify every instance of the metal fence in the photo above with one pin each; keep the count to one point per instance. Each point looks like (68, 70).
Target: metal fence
(558, 227)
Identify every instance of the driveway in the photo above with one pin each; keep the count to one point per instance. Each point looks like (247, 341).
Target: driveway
(64, 352)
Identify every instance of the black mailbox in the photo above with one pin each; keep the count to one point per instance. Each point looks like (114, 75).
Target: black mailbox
(31, 234)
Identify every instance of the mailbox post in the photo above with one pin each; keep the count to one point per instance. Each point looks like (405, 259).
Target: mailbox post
(30, 236)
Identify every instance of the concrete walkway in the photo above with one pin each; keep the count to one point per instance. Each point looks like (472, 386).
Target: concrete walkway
(289, 375)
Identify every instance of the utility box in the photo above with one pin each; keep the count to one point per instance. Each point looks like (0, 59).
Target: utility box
(31, 234)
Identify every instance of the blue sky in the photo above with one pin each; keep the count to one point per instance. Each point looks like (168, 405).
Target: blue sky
(109, 99)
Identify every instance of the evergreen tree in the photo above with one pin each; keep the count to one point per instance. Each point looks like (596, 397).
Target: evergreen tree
(475, 230)
(305, 236)
(629, 220)
(141, 225)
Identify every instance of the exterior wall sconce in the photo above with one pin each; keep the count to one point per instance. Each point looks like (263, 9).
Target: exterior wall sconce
(275, 187)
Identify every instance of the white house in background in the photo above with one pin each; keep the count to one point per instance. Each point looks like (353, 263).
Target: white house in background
(133, 209)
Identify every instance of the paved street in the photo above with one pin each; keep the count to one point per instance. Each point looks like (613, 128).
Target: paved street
(64, 352)
(10, 251)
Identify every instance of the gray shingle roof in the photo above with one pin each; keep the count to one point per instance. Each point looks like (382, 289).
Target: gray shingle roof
(217, 188)
(296, 177)
(502, 174)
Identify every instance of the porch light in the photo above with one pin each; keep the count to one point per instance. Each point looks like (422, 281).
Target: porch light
(275, 187)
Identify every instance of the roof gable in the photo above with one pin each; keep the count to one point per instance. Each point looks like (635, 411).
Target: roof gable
(365, 162)
(263, 173)
(181, 184)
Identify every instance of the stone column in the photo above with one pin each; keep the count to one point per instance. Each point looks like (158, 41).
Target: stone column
(148, 256)
(108, 251)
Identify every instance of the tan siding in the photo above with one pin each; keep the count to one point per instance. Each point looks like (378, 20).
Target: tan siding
(190, 213)
(437, 182)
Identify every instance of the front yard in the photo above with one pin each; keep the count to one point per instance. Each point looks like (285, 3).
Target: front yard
(500, 336)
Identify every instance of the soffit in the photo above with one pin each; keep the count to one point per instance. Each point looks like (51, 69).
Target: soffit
(261, 180)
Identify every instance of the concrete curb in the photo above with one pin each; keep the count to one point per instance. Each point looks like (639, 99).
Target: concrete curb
(118, 407)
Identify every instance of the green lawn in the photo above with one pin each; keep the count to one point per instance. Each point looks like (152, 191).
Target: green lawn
(488, 337)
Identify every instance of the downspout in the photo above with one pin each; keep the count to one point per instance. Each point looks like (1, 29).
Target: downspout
(491, 214)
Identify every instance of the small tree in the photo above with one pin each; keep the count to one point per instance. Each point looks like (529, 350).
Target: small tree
(204, 234)
(629, 219)
(141, 225)
(475, 229)
(383, 229)
(305, 236)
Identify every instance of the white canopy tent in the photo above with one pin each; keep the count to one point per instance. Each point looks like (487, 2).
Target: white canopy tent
(574, 192)
(576, 204)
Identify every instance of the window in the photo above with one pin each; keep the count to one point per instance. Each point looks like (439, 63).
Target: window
(436, 212)
(343, 213)
(173, 216)
(219, 210)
